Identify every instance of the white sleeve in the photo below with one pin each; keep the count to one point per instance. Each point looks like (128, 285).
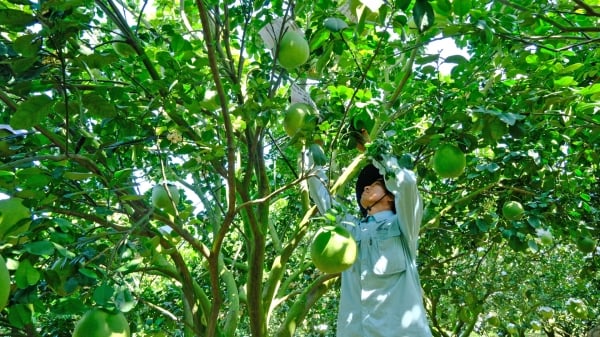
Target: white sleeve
(409, 205)
(317, 185)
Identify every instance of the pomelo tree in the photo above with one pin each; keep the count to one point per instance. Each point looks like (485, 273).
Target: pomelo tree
(200, 104)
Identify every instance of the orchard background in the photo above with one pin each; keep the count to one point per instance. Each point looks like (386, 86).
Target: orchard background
(107, 98)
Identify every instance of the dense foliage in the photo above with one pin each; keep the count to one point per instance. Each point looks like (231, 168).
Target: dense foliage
(102, 100)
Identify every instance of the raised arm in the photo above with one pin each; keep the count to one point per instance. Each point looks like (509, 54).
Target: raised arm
(409, 205)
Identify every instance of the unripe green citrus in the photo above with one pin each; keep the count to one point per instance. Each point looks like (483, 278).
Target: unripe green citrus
(293, 50)
(101, 323)
(546, 312)
(4, 284)
(586, 244)
(161, 199)
(493, 319)
(547, 238)
(299, 117)
(449, 161)
(536, 325)
(333, 249)
(512, 210)
(512, 329)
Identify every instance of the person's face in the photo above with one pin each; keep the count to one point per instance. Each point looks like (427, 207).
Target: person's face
(372, 193)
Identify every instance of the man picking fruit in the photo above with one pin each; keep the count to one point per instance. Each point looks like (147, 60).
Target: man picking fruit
(381, 292)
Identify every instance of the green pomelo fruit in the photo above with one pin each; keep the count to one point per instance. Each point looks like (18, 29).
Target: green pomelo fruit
(12, 212)
(546, 312)
(449, 161)
(493, 319)
(512, 210)
(546, 238)
(100, 323)
(536, 325)
(333, 249)
(293, 50)
(298, 117)
(586, 244)
(160, 196)
(512, 328)
(4, 284)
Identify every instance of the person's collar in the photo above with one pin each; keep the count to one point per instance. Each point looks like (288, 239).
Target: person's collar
(382, 215)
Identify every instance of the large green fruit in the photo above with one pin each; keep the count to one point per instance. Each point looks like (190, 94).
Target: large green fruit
(4, 284)
(449, 161)
(101, 323)
(512, 210)
(546, 312)
(493, 319)
(299, 117)
(586, 244)
(333, 249)
(12, 214)
(512, 329)
(546, 237)
(293, 50)
(160, 196)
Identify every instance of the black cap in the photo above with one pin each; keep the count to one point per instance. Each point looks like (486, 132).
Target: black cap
(366, 177)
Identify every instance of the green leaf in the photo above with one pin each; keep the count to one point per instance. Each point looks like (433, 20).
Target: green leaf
(122, 175)
(590, 90)
(15, 19)
(571, 68)
(78, 175)
(26, 275)
(319, 38)
(21, 65)
(34, 177)
(103, 294)
(423, 15)
(130, 197)
(179, 44)
(88, 272)
(98, 106)
(31, 112)
(402, 4)
(457, 59)
(335, 24)
(7, 174)
(532, 59)
(462, 7)
(43, 248)
(443, 7)
(28, 45)
(97, 61)
(565, 81)
(19, 315)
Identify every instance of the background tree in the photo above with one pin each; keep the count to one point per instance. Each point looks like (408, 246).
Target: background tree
(104, 99)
